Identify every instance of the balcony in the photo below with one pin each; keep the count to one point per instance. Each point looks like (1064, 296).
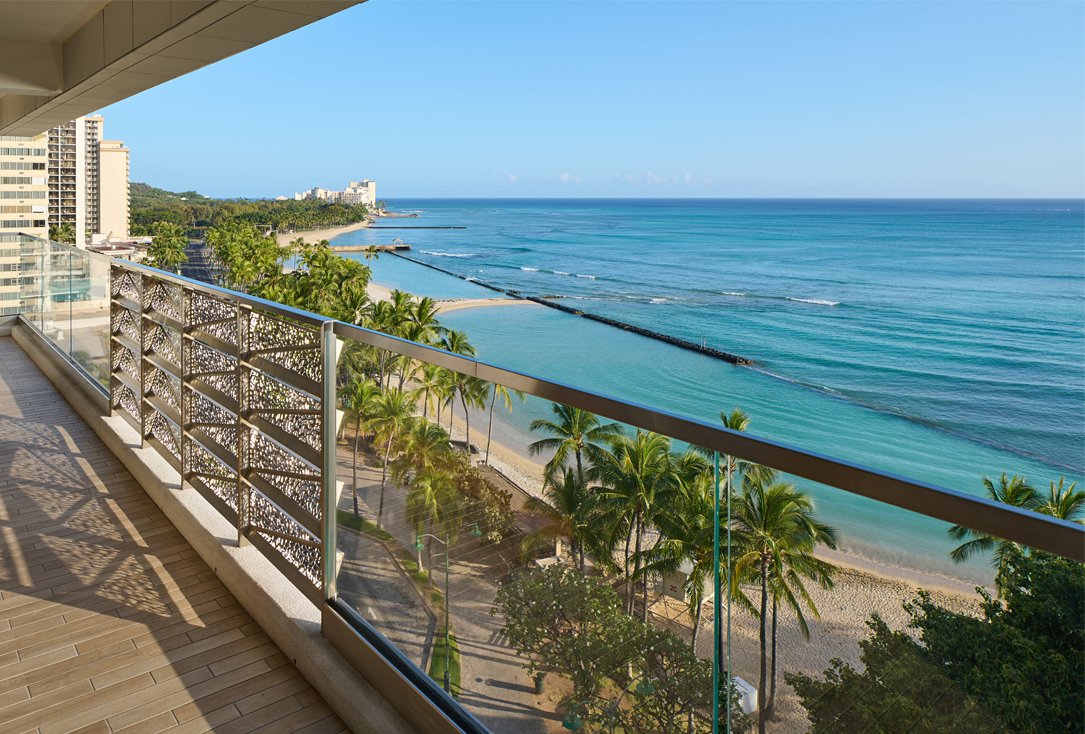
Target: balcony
(235, 417)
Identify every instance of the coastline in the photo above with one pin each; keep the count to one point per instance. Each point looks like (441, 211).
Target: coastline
(445, 305)
(314, 236)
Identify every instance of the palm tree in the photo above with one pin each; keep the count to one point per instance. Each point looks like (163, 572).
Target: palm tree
(392, 413)
(362, 395)
(575, 432)
(563, 505)
(430, 376)
(777, 535)
(738, 420)
(456, 342)
(62, 233)
(499, 391)
(687, 533)
(424, 446)
(1016, 492)
(473, 393)
(167, 250)
(433, 499)
(1065, 503)
(638, 474)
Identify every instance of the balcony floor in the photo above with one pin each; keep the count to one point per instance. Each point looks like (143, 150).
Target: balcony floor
(109, 620)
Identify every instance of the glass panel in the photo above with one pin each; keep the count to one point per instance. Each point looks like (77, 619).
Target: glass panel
(31, 262)
(56, 309)
(585, 595)
(833, 634)
(90, 315)
(508, 584)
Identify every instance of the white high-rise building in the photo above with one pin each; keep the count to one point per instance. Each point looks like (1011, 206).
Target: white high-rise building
(112, 193)
(23, 204)
(77, 191)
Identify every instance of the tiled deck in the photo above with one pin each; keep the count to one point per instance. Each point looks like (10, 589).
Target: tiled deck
(109, 621)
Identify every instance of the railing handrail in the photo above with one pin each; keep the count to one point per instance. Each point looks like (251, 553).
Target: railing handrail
(1029, 528)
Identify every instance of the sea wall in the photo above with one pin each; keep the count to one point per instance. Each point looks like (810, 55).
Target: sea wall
(549, 302)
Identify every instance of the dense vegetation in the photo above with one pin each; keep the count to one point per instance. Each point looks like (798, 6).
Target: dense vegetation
(1021, 667)
(195, 212)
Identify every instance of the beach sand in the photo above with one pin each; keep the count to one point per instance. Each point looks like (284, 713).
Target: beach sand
(444, 305)
(316, 235)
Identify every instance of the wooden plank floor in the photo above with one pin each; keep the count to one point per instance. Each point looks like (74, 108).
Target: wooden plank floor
(109, 621)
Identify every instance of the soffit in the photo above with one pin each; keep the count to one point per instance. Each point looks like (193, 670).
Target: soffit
(127, 46)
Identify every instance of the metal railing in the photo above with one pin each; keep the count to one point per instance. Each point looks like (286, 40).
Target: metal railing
(239, 394)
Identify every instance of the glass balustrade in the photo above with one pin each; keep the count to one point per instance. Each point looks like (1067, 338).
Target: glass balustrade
(550, 567)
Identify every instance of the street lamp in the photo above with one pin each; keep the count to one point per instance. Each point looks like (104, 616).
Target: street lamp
(644, 687)
(418, 546)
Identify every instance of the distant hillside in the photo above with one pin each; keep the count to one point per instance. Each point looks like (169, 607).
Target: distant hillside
(146, 196)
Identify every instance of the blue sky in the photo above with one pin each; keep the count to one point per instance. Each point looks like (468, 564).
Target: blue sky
(634, 99)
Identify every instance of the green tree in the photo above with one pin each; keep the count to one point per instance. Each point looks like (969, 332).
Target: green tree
(638, 476)
(1021, 667)
(687, 534)
(1065, 503)
(566, 623)
(1016, 492)
(776, 536)
(576, 432)
(361, 396)
(392, 412)
(167, 250)
(433, 500)
(564, 505)
(499, 391)
(62, 233)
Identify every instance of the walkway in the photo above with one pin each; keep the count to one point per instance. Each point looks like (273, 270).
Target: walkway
(109, 621)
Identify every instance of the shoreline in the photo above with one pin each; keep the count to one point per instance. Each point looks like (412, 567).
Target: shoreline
(316, 235)
(445, 305)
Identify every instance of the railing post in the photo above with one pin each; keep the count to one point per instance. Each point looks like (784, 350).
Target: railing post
(329, 473)
(244, 512)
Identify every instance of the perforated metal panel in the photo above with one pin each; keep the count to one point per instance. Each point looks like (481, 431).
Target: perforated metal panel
(232, 396)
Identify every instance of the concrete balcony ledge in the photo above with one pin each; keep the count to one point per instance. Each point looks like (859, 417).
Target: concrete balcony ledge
(291, 621)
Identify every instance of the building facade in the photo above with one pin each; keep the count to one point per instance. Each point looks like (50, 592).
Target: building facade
(24, 199)
(356, 192)
(112, 189)
(76, 189)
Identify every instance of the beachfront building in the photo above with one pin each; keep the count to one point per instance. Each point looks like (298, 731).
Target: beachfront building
(23, 203)
(356, 192)
(81, 192)
(113, 189)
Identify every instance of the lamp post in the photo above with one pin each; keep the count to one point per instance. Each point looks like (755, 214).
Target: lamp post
(644, 686)
(418, 546)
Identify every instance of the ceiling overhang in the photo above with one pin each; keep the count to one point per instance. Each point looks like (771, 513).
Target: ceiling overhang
(63, 59)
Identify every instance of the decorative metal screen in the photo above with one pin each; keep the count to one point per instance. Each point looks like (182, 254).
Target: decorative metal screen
(232, 397)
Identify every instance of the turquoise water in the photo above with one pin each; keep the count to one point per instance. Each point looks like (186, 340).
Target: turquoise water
(941, 340)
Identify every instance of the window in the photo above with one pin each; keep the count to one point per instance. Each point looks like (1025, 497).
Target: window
(16, 180)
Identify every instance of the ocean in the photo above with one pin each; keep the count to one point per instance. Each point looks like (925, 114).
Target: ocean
(941, 340)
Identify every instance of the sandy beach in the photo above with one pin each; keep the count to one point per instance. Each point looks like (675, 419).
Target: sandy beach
(444, 305)
(313, 236)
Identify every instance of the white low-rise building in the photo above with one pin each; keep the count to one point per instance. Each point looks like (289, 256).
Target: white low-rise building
(356, 192)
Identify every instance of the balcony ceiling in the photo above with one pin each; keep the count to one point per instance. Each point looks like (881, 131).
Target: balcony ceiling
(66, 58)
